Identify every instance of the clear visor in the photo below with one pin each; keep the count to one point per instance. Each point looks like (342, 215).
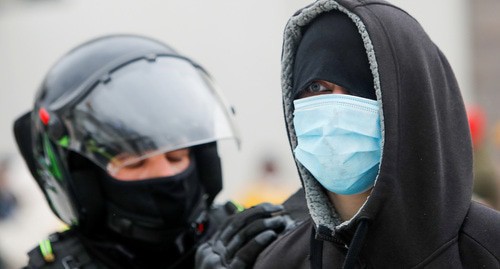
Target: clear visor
(147, 108)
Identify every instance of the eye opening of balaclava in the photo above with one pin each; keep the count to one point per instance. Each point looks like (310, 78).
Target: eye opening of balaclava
(331, 49)
(155, 213)
(169, 198)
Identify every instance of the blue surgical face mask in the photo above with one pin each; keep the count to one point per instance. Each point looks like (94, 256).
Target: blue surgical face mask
(339, 141)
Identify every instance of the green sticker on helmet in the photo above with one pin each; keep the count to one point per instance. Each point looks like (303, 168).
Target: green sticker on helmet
(53, 165)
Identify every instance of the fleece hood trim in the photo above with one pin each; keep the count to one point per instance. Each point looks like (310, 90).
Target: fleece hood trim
(423, 190)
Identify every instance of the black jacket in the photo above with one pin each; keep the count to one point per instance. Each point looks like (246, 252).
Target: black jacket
(72, 249)
(419, 213)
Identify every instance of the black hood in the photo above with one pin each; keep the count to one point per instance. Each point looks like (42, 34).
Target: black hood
(332, 49)
(423, 189)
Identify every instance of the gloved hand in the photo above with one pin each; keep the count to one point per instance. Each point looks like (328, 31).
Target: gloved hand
(242, 237)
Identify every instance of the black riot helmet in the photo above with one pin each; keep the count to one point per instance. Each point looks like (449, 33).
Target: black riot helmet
(116, 96)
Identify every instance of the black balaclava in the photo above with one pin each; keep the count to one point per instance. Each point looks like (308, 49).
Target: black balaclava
(168, 205)
(331, 49)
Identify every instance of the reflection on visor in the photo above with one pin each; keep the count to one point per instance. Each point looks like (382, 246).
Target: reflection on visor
(147, 108)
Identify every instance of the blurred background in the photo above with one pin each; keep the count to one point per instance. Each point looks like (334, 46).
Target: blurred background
(239, 43)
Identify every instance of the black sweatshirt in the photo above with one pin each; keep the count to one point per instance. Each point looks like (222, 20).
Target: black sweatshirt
(419, 213)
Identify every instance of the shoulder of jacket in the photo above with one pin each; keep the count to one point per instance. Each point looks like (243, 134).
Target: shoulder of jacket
(296, 206)
(61, 250)
(290, 250)
(482, 226)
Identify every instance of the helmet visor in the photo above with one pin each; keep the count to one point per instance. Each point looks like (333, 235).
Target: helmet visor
(144, 108)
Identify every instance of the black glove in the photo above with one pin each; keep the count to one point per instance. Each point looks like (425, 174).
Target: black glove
(242, 237)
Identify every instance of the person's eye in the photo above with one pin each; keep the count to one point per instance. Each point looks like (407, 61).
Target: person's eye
(177, 155)
(174, 159)
(317, 87)
(135, 165)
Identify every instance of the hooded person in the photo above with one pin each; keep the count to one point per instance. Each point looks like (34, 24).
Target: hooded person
(122, 140)
(380, 136)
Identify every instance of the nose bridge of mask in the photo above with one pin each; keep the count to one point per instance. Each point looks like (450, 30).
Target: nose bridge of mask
(339, 113)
